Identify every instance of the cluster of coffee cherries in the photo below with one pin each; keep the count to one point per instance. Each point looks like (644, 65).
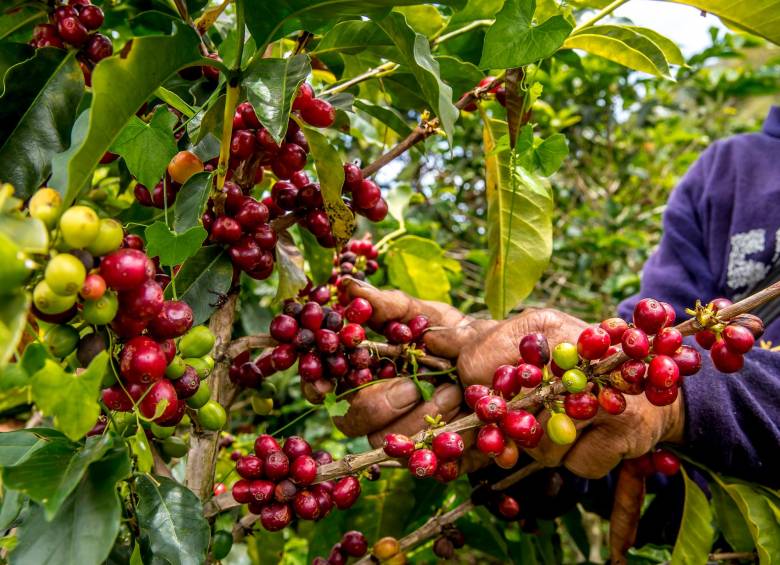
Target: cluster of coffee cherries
(728, 345)
(450, 539)
(437, 456)
(352, 544)
(358, 259)
(277, 483)
(498, 91)
(75, 24)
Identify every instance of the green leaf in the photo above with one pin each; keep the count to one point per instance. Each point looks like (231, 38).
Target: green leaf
(622, 45)
(389, 117)
(289, 262)
(51, 490)
(173, 100)
(13, 316)
(512, 40)
(671, 52)
(140, 68)
(551, 153)
(173, 248)
(697, 533)
(460, 75)
(759, 17)
(143, 452)
(353, 36)
(423, 18)
(519, 219)
(71, 400)
(277, 19)
(416, 56)
(29, 234)
(334, 406)
(330, 172)
(209, 121)
(191, 202)
(84, 529)
(271, 86)
(757, 510)
(415, 266)
(12, 504)
(171, 520)
(12, 54)
(319, 259)
(147, 148)
(202, 279)
(18, 17)
(17, 447)
(730, 520)
(37, 110)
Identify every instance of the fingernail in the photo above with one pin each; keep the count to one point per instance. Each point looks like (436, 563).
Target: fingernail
(403, 394)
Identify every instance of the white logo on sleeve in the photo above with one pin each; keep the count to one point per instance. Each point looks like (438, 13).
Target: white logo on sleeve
(743, 271)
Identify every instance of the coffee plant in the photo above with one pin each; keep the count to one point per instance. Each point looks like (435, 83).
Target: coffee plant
(192, 190)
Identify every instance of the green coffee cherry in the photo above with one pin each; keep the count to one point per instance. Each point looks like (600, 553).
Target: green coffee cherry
(61, 340)
(102, 310)
(565, 355)
(574, 380)
(176, 368)
(200, 397)
(162, 432)
(212, 416)
(174, 446)
(197, 342)
(201, 367)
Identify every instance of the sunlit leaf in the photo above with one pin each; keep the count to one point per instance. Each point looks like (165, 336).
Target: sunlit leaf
(173, 248)
(202, 280)
(697, 533)
(415, 265)
(147, 148)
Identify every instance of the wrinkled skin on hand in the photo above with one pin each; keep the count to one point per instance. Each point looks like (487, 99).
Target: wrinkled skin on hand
(480, 346)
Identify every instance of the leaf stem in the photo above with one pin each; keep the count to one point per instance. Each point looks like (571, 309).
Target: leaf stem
(465, 29)
(381, 70)
(607, 10)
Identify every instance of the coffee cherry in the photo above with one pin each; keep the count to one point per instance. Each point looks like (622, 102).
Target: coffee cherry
(505, 381)
(725, 360)
(377, 212)
(666, 462)
(418, 325)
(283, 328)
(226, 230)
(398, 333)
(310, 367)
(671, 315)
(290, 158)
(91, 17)
(352, 177)
(581, 405)
(615, 328)
(534, 349)
(174, 320)
(359, 311)
(635, 343)
(490, 408)
(737, 338)
(688, 360)
(277, 465)
(283, 357)
(529, 376)
(72, 31)
(318, 113)
(667, 341)
(311, 316)
(611, 400)
(661, 396)
(523, 427)
(275, 516)
(422, 463)
(161, 392)
(352, 335)
(197, 342)
(649, 316)
(507, 459)
(337, 555)
(443, 548)
(354, 543)
(398, 445)
(303, 470)
(304, 340)
(79, 226)
(296, 446)
(508, 507)
(448, 446)
(261, 492)
(212, 416)
(561, 429)
(109, 238)
(706, 338)
(633, 371)
(126, 268)
(46, 203)
(143, 302)
(386, 548)
(345, 492)
(250, 467)
(366, 194)
(574, 380)
(89, 347)
(142, 361)
(265, 445)
(285, 491)
(663, 372)
(98, 47)
(240, 491)
(565, 355)
(720, 303)
(65, 274)
(593, 343)
(751, 322)
(491, 440)
(183, 165)
(187, 385)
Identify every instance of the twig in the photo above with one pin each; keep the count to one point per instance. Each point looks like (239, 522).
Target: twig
(425, 130)
(607, 10)
(729, 555)
(473, 25)
(370, 73)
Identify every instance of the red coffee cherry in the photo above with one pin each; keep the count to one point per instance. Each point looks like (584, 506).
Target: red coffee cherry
(319, 113)
(283, 328)
(581, 405)
(505, 381)
(490, 440)
(265, 445)
(667, 341)
(241, 491)
(277, 465)
(666, 462)
(352, 335)
(507, 459)
(738, 338)
(649, 315)
(174, 320)
(706, 338)
(671, 315)
(615, 328)
(529, 376)
(473, 393)
(635, 343)
(143, 302)
(283, 356)
(422, 463)
(352, 177)
(593, 343)
(261, 492)
(345, 492)
(398, 445)
(310, 367)
(126, 268)
(663, 372)
(508, 507)
(296, 446)
(725, 360)
(161, 391)
(72, 31)
(285, 491)
(354, 543)
(275, 516)
(366, 194)
(612, 400)
(490, 408)
(447, 471)
(303, 470)
(534, 349)
(398, 333)
(250, 467)
(142, 361)
(98, 47)
(448, 446)
(359, 311)
(720, 303)
(688, 360)
(522, 427)
(306, 505)
(661, 396)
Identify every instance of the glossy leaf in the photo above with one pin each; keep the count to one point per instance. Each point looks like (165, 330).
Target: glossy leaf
(37, 110)
(697, 533)
(730, 520)
(330, 172)
(513, 41)
(423, 18)
(12, 54)
(334, 406)
(670, 50)
(191, 202)
(12, 504)
(209, 121)
(140, 446)
(289, 262)
(202, 279)
(71, 400)
(173, 248)
(416, 266)
(519, 222)
(140, 69)
(171, 520)
(416, 57)
(756, 508)
(13, 317)
(84, 529)
(319, 259)
(15, 18)
(460, 75)
(386, 116)
(147, 148)
(622, 45)
(550, 153)
(18, 446)
(29, 234)
(760, 17)
(271, 86)
(353, 36)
